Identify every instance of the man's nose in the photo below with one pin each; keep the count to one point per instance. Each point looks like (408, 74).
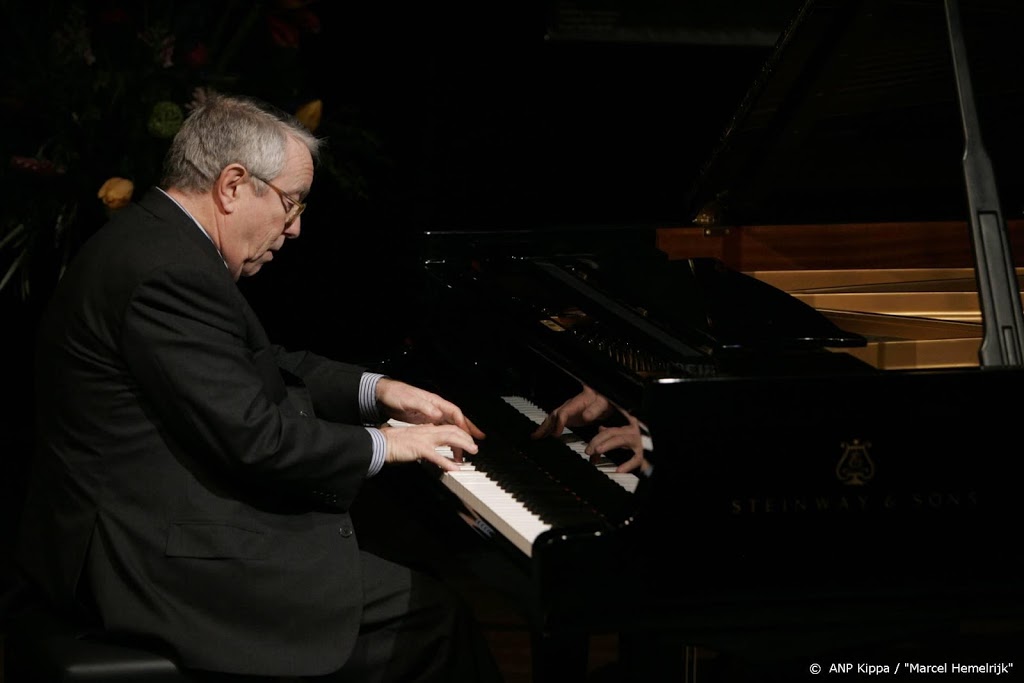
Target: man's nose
(293, 230)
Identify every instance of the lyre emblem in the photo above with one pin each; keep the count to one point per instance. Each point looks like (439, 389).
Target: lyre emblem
(855, 468)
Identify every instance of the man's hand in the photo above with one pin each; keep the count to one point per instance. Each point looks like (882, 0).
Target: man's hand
(419, 442)
(411, 404)
(436, 422)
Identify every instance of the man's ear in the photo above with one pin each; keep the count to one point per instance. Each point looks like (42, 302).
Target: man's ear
(227, 191)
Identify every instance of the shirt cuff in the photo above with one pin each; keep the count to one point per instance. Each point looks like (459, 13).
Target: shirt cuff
(380, 447)
(368, 409)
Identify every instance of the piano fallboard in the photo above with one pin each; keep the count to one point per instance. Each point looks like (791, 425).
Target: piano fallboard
(862, 481)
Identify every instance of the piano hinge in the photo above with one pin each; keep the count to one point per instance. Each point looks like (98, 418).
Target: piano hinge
(716, 230)
(712, 216)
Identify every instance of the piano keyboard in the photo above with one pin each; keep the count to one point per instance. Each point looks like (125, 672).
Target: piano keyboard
(492, 498)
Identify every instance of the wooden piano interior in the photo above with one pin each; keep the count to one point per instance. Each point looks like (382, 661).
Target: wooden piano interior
(907, 287)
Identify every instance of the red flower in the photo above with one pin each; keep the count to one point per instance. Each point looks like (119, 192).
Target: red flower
(307, 21)
(113, 15)
(198, 56)
(290, 21)
(282, 32)
(40, 167)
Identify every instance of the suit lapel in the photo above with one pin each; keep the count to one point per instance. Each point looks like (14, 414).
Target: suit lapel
(167, 211)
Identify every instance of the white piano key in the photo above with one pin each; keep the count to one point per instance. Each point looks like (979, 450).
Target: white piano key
(496, 506)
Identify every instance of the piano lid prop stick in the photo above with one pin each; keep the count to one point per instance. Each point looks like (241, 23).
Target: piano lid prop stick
(998, 289)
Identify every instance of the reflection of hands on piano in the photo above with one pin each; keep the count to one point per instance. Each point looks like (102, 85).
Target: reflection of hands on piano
(588, 407)
(628, 437)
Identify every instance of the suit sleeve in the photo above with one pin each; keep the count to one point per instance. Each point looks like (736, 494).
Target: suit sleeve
(203, 366)
(333, 386)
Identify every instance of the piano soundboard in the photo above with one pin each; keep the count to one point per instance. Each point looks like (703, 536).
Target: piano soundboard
(508, 498)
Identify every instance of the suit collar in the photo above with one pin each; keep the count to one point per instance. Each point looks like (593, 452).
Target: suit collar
(169, 211)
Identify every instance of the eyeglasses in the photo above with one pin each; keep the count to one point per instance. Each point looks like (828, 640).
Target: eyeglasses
(297, 207)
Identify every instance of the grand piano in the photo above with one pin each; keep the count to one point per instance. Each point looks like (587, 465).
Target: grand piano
(824, 359)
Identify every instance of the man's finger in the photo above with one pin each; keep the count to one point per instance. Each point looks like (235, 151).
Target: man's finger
(443, 462)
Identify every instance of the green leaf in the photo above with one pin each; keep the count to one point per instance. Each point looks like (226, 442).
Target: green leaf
(9, 237)
(12, 270)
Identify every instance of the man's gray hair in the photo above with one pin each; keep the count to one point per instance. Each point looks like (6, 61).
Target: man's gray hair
(231, 129)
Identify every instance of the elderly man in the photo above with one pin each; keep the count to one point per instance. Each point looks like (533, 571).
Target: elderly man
(192, 482)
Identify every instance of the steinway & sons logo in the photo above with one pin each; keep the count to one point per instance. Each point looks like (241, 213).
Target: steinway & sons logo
(856, 468)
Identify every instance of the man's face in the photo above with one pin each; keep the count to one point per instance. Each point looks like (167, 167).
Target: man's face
(261, 230)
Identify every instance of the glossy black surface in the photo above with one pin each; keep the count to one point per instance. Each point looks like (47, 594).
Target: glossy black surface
(809, 489)
(805, 485)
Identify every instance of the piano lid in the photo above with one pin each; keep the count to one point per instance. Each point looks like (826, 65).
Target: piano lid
(854, 118)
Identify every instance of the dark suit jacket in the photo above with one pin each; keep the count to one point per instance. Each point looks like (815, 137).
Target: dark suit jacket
(180, 472)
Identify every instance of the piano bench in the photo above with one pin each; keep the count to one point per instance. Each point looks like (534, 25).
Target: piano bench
(44, 648)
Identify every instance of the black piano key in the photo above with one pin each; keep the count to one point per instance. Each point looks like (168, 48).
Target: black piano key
(549, 478)
(533, 487)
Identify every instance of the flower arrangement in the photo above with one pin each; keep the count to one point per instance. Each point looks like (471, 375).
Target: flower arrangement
(95, 89)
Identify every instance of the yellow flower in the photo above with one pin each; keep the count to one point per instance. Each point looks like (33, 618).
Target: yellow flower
(309, 114)
(116, 192)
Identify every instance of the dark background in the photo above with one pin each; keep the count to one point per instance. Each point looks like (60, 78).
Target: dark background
(556, 114)
(509, 116)
(486, 116)
(468, 116)
(472, 116)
